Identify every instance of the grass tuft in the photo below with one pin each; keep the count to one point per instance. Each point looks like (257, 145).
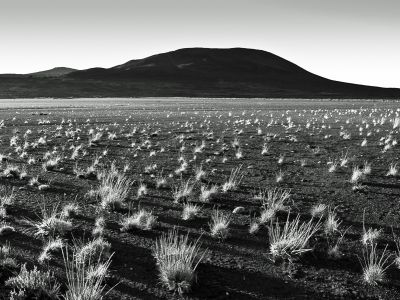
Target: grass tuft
(177, 260)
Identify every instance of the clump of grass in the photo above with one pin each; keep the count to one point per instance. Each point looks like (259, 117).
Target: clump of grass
(344, 159)
(318, 210)
(396, 122)
(99, 226)
(393, 171)
(303, 162)
(113, 190)
(51, 223)
(97, 248)
(374, 265)
(367, 169)
(281, 159)
(51, 247)
(24, 173)
(279, 176)
(207, 192)
(266, 215)
(239, 153)
(161, 181)
(182, 168)
(3, 212)
(94, 139)
(332, 222)
(333, 234)
(34, 181)
(254, 227)
(177, 260)
(69, 210)
(371, 235)
(142, 190)
(190, 211)
(333, 166)
(397, 258)
(51, 164)
(79, 172)
(182, 191)
(6, 258)
(4, 157)
(265, 149)
(272, 200)
(234, 180)
(357, 175)
(31, 161)
(219, 225)
(85, 278)
(6, 200)
(200, 173)
(35, 283)
(293, 239)
(142, 219)
(11, 171)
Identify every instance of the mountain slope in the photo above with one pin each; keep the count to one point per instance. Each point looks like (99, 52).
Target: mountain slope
(195, 72)
(55, 72)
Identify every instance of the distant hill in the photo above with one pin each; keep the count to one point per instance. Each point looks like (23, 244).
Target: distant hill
(55, 72)
(190, 72)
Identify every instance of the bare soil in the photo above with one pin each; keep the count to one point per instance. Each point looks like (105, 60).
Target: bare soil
(239, 267)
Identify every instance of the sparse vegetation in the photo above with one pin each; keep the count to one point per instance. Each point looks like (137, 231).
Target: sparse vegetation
(277, 194)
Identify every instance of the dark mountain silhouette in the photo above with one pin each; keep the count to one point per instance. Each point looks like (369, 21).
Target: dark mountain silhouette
(55, 72)
(191, 72)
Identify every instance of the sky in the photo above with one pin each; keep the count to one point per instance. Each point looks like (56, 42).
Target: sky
(354, 41)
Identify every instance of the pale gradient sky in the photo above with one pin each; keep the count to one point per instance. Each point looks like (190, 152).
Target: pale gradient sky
(348, 40)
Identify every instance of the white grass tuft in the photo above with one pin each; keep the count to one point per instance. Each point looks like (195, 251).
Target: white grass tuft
(219, 225)
(177, 260)
(142, 219)
(373, 265)
(293, 239)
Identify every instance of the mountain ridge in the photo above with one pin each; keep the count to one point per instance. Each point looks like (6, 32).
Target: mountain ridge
(190, 72)
(54, 72)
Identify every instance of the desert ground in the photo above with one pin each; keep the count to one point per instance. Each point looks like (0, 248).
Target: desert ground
(278, 198)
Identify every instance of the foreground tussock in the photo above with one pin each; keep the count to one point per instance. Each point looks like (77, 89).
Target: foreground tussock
(293, 239)
(85, 276)
(177, 260)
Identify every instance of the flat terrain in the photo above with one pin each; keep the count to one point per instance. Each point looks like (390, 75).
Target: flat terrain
(154, 136)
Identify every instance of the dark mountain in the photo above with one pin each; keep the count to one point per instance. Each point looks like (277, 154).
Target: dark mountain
(55, 72)
(195, 72)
